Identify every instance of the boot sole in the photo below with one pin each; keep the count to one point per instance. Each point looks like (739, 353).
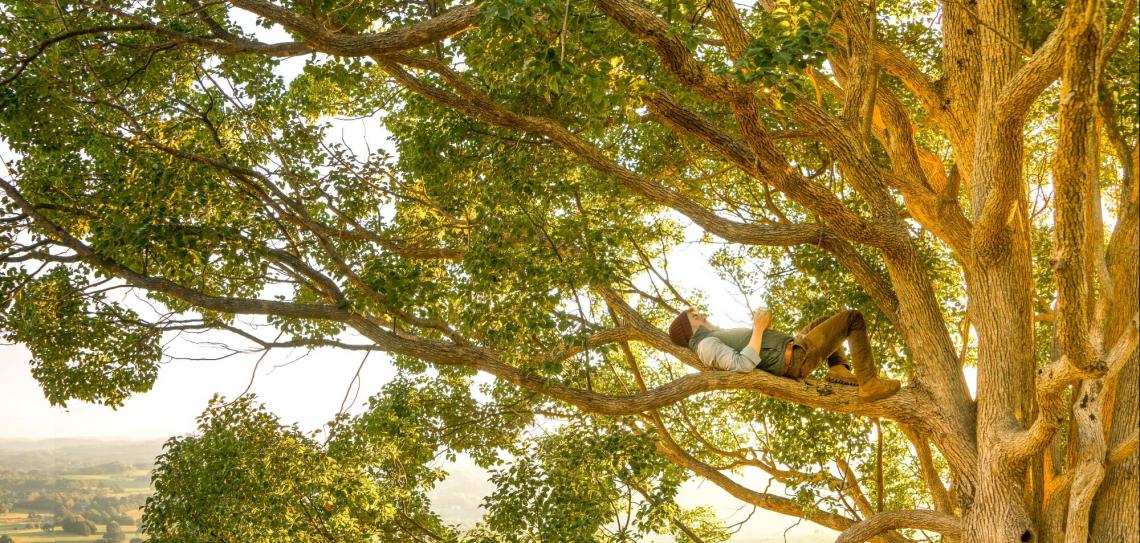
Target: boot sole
(876, 397)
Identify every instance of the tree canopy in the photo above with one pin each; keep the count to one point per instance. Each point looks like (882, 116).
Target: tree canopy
(963, 173)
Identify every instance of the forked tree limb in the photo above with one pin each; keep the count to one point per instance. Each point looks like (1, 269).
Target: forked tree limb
(1060, 485)
(773, 166)
(1040, 71)
(1052, 381)
(677, 455)
(915, 172)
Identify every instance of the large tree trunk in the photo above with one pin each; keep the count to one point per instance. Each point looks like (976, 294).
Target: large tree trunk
(1114, 515)
(1000, 293)
(1116, 506)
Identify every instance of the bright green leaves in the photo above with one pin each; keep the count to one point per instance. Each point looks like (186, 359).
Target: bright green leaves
(789, 39)
(537, 229)
(356, 16)
(83, 347)
(572, 484)
(331, 87)
(246, 477)
(569, 64)
(427, 415)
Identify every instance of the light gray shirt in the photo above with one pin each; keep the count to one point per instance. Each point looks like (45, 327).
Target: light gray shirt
(716, 353)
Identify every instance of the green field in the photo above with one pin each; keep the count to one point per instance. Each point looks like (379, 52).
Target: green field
(15, 525)
(127, 483)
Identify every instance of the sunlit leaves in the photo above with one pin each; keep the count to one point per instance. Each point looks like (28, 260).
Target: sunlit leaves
(83, 346)
(790, 38)
(567, 486)
(246, 477)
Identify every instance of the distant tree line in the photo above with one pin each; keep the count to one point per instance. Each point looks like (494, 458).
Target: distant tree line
(73, 506)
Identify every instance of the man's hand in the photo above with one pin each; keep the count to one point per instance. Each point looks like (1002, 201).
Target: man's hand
(760, 321)
(762, 318)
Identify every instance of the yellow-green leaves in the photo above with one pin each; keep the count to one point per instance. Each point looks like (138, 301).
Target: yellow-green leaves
(84, 347)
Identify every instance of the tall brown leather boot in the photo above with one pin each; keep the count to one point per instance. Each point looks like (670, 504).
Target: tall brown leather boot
(871, 387)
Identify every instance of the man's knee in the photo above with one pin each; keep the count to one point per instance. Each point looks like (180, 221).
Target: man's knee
(855, 319)
(811, 325)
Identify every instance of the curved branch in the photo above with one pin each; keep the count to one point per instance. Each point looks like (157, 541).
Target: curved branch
(157, 284)
(769, 163)
(419, 34)
(947, 525)
(675, 454)
(23, 63)
(1055, 378)
(476, 104)
(1042, 69)
(689, 122)
(892, 59)
(903, 406)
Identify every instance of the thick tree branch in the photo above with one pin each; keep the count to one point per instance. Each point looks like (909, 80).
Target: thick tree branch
(947, 525)
(1041, 70)
(902, 406)
(674, 54)
(415, 35)
(770, 163)
(674, 453)
(928, 192)
(1052, 381)
(736, 37)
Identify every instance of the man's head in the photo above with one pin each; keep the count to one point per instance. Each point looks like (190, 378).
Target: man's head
(682, 327)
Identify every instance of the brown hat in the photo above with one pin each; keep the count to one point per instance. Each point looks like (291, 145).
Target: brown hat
(680, 331)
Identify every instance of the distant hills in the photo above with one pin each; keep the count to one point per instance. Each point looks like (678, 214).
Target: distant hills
(75, 454)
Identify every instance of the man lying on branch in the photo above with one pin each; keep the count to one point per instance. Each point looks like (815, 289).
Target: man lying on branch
(745, 349)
